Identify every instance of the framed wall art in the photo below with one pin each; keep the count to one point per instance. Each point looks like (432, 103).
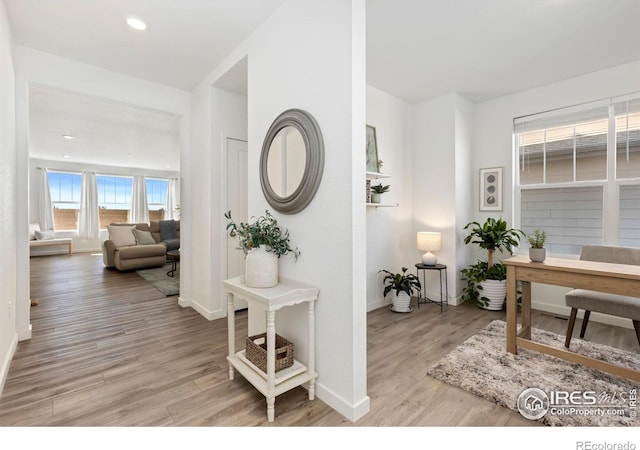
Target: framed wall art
(491, 189)
(372, 150)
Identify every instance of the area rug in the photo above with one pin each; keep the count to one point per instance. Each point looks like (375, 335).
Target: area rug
(576, 395)
(160, 280)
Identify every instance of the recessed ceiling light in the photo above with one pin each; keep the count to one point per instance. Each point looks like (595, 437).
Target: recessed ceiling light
(66, 156)
(129, 154)
(68, 137)
(136, 24)
(167, 165)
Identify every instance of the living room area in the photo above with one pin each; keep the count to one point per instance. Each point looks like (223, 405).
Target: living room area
(104, 347)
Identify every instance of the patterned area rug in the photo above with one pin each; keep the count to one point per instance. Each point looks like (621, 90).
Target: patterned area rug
(482, 366)
(160, 280)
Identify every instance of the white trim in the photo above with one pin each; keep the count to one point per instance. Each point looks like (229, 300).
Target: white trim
(352, 411)
(6, 363)
(204, 312)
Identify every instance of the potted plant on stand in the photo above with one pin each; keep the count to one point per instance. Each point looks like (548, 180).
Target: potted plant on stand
(403, 285)
(378, 190)
(537, 252)
(263, 242)
(486, 281)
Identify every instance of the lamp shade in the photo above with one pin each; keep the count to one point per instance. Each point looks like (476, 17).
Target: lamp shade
(430, 241)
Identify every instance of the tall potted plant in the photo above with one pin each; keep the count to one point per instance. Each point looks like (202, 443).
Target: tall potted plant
(486, 280)
(263, 242)
(402, 285)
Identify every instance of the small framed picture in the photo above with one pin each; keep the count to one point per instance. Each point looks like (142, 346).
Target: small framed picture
(372, 149)
(491, 189)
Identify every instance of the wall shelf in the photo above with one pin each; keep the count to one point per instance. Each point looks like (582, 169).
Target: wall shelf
(376, 175)
(383, 205)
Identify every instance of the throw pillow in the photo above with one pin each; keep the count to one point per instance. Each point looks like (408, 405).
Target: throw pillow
(168, 229)
(122, 236)
(143, 237)
(45, 235)
(33, 227)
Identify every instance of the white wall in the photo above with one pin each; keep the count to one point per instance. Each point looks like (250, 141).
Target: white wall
(32, 66)
(492, 142)
(440, 174)
(327, 79)
(390, 238)
(8, 207)
(79, 245)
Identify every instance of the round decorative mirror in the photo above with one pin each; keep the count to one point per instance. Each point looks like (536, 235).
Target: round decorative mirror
(292, 161)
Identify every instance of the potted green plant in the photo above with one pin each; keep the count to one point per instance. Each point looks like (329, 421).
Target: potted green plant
(263, 242)
(537, 252)
(486, 280)
(377, 191)
(403, 285)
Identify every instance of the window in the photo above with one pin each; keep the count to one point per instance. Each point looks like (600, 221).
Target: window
(114, 198)
(65, 188)
(156, 197)
(579, 175)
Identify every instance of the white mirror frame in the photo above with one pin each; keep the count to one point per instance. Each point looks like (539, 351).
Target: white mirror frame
(314, 166)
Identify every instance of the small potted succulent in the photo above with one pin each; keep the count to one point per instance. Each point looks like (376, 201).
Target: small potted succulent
(377, 191)
(402, 285)
(537, 252)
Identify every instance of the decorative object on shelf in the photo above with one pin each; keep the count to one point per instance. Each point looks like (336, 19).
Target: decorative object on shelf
(377, 191)
(292, 161)
(403, 285)
(373, 164)
(537, 252)
(429, 241)
(486, 282)
(491, 189)
(256, 352)
(368, 190)
(263, 241)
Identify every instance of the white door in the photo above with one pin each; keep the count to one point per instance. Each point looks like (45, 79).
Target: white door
(237, 188)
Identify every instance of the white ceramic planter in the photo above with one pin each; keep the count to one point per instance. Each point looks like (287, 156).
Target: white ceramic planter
(261, 268)
(496, 292)
(375, 198)
(401, 302)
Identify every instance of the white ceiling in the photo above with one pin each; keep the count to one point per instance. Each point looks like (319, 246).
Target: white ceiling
(416, 49)
(106, 132)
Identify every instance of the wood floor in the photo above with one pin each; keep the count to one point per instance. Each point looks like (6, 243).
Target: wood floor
(108, 349)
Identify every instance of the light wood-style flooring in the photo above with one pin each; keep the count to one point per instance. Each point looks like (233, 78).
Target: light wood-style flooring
(108, 349)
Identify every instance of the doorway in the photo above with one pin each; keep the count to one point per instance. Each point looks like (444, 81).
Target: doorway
(237, 203)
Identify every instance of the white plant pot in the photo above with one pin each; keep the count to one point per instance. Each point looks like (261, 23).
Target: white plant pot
(375, 198)
(537, 254)
(261, 268)
(401, 302)
(496, 292)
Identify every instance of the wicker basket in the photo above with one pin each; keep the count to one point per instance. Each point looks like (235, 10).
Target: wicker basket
(256, 352)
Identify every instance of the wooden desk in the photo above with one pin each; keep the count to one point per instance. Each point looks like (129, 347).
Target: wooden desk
(596, 276)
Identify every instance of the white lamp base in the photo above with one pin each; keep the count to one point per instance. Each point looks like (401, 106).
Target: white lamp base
(429, 259)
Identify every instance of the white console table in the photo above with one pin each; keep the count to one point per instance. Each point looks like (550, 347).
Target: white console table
(272, 384)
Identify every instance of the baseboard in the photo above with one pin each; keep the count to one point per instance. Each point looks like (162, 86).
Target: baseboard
(380, 302)
(204, 312)
(6, 362)
(24, 335)
(351, 412)
(564, 311)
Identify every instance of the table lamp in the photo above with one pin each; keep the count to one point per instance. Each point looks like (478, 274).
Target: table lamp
(429, 241)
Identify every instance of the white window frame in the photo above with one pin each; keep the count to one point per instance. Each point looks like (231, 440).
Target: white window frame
(610, 186)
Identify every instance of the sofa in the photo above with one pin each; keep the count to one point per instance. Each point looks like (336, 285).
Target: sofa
(134, 246)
